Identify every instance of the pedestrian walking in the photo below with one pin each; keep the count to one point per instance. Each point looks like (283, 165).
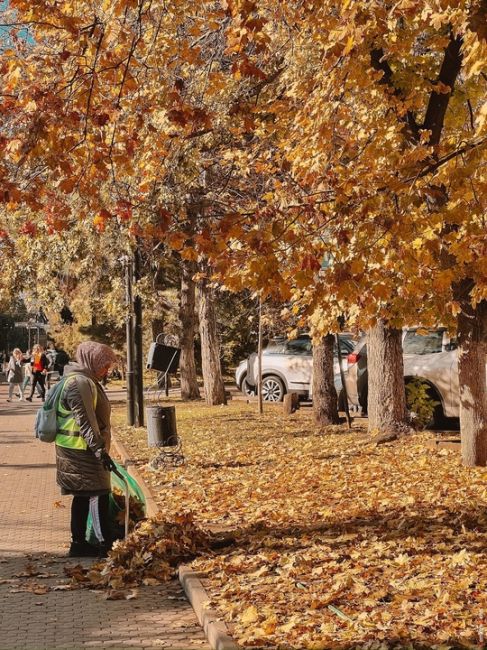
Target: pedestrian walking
(40, 363)
(28, 376)
(15, 375)
(82, 447)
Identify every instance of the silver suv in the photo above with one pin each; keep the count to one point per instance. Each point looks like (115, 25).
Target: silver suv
(429, 355)
(287, 366)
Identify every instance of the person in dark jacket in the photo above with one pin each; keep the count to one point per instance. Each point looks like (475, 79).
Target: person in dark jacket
(40, 364)
(83, 444)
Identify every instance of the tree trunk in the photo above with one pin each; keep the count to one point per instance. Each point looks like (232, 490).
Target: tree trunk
(157, 327)
(325, 402)
(210, 347)
(386, 393)
(290, 403)
(187, 366)
(260, 397)
(472, 338)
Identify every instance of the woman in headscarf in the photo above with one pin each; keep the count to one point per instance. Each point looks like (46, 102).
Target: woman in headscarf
(83, 444)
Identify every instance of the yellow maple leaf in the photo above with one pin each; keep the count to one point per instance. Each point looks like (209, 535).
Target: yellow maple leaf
(250, 615)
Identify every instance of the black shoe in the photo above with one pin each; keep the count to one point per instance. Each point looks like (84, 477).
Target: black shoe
(103, 550)
(29, 399)
(83, 549)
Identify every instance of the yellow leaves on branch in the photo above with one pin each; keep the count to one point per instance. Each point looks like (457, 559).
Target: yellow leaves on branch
(306, 121)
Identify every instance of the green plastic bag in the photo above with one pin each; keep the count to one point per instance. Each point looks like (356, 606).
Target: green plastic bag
(116, 506)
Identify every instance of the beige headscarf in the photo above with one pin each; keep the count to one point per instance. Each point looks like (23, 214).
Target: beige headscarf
(93, 356)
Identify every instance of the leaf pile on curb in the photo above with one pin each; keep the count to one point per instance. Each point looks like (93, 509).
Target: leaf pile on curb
(148, 556)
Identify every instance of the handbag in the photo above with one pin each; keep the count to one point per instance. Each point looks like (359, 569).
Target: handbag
(46, 419)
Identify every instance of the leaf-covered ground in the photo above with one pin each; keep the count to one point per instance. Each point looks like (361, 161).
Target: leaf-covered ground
(338, 543)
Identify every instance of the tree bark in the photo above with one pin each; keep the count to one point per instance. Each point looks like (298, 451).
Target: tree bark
(187, 316)
(325, 401)
(290, 403)
(210, 346)
(260, 398)
(386, 393)
(157, 327)
(472, 350)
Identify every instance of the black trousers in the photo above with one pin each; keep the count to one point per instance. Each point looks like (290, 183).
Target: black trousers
(98, 507)
(38, 379)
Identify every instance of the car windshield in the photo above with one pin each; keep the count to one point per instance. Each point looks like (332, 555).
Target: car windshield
(301, 345)
(275, 346)
(423, 342)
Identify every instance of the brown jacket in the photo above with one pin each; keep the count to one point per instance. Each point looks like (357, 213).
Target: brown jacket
(79, 471)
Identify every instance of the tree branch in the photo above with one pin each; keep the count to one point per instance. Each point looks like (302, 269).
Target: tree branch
(92, 84)
(381, 65)
(438, 102)
(442, 161)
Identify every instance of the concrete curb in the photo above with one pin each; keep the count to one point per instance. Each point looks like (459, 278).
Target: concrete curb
(216, 631)
(452, 443)
(129, 464)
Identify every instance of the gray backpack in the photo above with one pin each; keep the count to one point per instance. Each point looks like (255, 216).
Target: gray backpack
(46, 419)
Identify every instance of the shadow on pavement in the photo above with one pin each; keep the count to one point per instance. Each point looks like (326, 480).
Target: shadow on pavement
(39, 610)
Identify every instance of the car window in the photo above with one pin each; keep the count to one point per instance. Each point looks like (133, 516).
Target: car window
(275, 346)
(299, 346)
(303, 345)
(421, 342)
(346, 346)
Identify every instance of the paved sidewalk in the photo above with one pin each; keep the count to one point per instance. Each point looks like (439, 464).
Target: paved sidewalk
(34, 538)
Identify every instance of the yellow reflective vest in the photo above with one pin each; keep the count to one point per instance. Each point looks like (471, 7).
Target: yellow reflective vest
(68, 434)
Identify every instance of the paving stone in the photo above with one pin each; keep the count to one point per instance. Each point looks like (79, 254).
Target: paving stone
(35, 530)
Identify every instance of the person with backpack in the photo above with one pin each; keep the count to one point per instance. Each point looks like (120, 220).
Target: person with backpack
(15, 375)
(83, 444)
(40, 364)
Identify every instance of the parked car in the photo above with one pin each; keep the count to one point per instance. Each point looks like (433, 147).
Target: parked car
(429, 355)
(286, 366)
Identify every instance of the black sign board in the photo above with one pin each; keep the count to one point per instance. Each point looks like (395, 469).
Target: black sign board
(163, 358)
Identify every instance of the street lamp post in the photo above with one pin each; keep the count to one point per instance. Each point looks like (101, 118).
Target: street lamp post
(129, 332)
(139, 369)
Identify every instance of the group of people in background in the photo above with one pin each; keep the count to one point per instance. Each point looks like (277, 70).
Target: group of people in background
(34, 369)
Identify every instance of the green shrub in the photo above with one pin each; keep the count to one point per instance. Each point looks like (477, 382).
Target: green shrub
(420, 403)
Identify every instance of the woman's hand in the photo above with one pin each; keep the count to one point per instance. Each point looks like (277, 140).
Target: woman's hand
(106, 461)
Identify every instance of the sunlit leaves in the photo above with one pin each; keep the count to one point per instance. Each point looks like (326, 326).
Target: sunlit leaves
(337, 541)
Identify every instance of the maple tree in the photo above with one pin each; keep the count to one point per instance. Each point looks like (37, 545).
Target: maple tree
(380, 118)
(354, 131)
(137, 139)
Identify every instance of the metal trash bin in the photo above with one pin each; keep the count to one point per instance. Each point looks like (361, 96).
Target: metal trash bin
(161, 426)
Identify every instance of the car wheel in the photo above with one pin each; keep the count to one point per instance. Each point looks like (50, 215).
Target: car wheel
(246, 388)
(272, 389)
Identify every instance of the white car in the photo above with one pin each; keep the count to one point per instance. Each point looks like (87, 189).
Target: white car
(429, 355)
(286, 367)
